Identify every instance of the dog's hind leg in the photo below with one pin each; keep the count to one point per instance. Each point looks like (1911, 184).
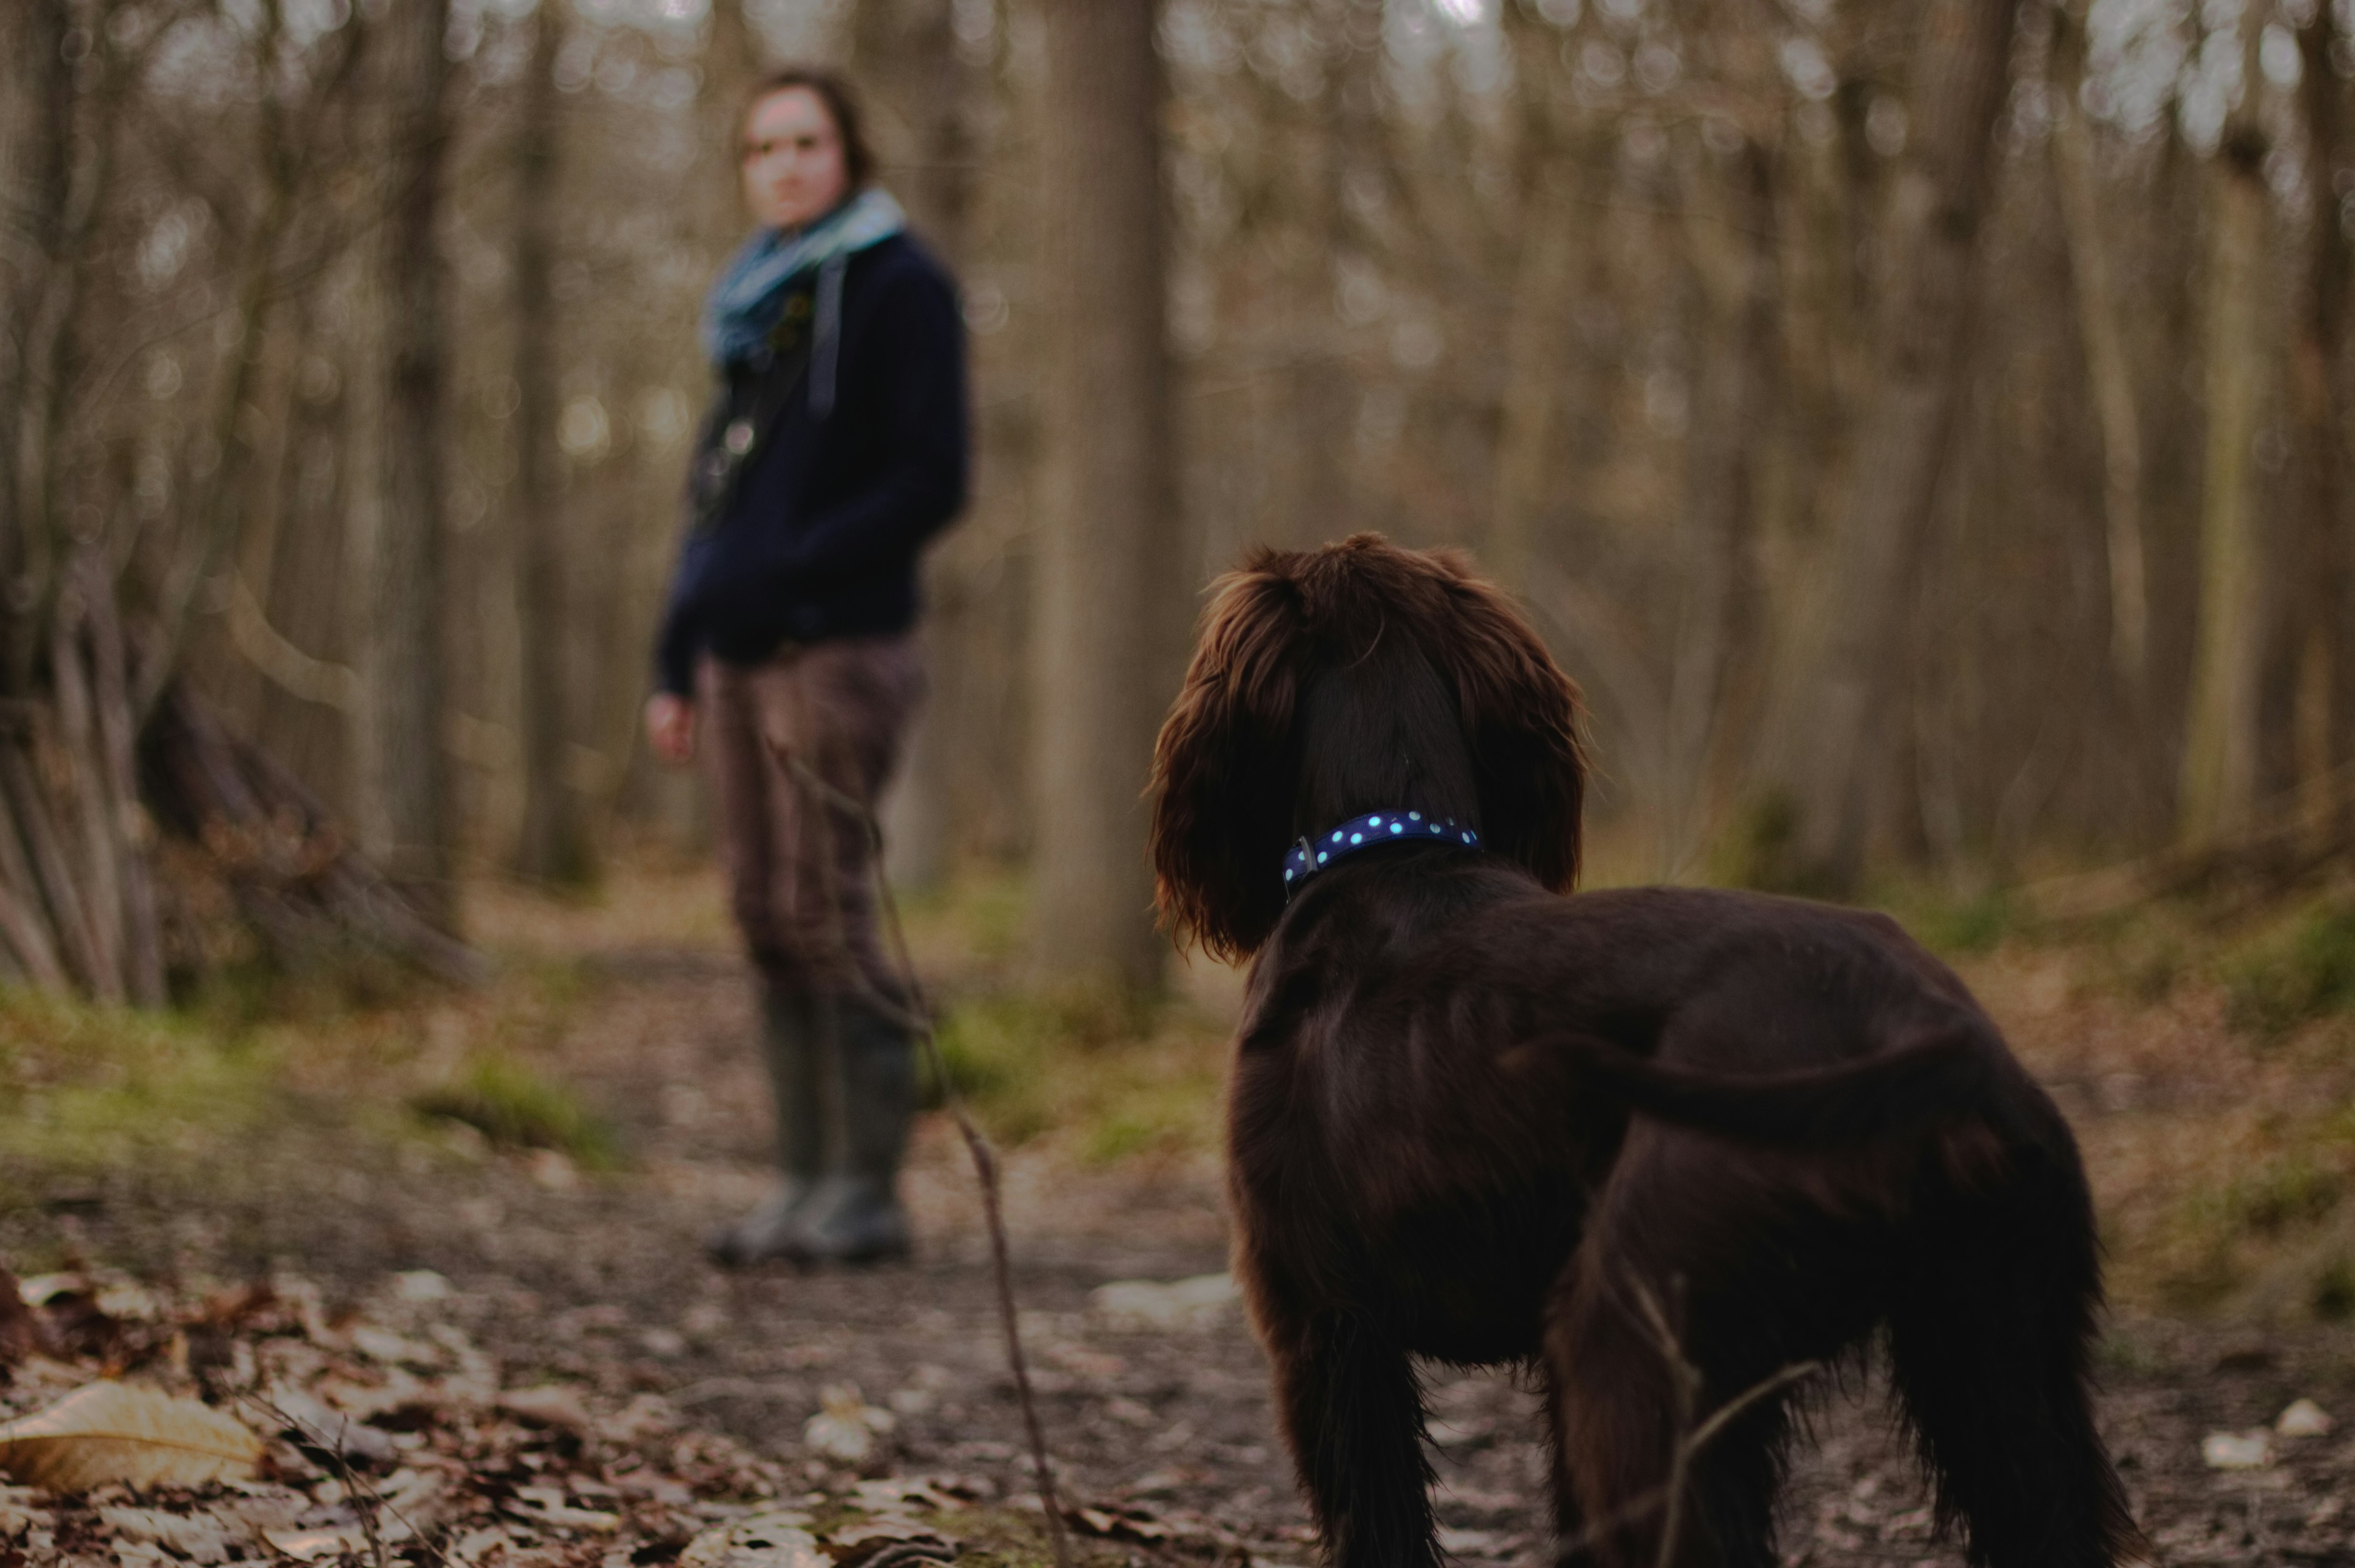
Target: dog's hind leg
(1568, 1517)
(1353, 1415)
(1672, 1341)
(1989, 1341)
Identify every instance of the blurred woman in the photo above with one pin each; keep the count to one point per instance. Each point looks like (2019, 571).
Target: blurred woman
(835, 447)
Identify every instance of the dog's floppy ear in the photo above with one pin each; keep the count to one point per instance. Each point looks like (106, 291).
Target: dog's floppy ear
(1523, 720)
(1224, 771)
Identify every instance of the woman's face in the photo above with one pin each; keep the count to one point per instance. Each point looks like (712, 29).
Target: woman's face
(794, 169)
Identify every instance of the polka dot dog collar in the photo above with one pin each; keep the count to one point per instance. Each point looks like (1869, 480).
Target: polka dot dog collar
(1308, 857)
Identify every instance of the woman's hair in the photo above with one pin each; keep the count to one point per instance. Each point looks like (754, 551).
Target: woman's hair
(834, 90)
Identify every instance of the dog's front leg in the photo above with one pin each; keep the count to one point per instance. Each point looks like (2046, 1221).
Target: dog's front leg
(1353, 1414)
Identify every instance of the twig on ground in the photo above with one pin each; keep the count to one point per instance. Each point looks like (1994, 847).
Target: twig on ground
(914, 1016)
(1691, 1439)
(373, 1501)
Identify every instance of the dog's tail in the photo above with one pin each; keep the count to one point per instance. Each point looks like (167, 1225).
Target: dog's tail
(1933, 1077)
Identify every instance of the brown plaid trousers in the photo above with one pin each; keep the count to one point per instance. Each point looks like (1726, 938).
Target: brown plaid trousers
(799, 873)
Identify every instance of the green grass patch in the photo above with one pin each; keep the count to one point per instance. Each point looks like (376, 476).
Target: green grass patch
(84, 1087)
(982, 912)
(2290, 1192)
(514, 1106)
(1966, 926)
(2296, 970)
(1760, 847)
(1120, 1076)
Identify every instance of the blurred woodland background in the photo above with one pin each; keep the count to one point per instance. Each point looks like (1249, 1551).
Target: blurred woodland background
(1923, 427)
(1919, 424)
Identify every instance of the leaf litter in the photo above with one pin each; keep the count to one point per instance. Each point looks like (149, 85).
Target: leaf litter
(139, 1426)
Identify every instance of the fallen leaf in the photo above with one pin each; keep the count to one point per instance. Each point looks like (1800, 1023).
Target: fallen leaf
(22, 1332)
(199, 1538)
(2237, 1450)
(20, 1509)
(317, 1424)
(118, 1432)
(940, 1493)
(2303, 1418)
(1097, 1364)
(1119, 1524)
(394, 1350)
(896, 1538)
(780, 1539)
(309, 1543)
(478, 1544)
(421, 1284)
(546, 1507)
(845, 1426)
(548, 1404)
(417, 1500)
(1148, 1306)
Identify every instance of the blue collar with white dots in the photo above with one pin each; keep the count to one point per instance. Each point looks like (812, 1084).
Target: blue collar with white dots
(1308, 857)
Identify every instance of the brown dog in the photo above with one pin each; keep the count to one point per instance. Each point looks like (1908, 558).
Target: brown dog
(1474, 1120)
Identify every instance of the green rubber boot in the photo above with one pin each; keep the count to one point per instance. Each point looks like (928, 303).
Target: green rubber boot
(792, 1049)
(854, 1216)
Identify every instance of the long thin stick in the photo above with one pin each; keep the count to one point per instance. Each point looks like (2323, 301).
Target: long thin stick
(917, 1019)
(1668, 1497)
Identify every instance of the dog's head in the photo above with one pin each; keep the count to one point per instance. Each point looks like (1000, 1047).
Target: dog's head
(1355, 679)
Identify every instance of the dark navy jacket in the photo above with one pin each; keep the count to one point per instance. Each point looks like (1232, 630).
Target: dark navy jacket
(819, 534)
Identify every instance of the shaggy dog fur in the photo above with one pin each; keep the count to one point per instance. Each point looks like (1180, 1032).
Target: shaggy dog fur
(1661, 1145)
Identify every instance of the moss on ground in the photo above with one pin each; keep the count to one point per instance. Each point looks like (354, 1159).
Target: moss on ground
(1114, 1076)
(514, 1105)
(2295, 968)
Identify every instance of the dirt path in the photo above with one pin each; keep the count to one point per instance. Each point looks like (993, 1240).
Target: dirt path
(602, 1279)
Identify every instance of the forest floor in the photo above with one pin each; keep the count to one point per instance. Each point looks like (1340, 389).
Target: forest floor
(620, 1031)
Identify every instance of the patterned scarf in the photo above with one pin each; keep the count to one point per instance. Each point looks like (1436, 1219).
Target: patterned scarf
(743, 307)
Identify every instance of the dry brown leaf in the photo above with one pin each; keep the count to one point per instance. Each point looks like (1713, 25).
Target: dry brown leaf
(548, 1404)
(305, 1544)
(199, 1538)
(110, 1432)
(22, 1331)
(779, 1539)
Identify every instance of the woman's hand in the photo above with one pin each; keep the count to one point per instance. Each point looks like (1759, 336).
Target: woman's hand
(670, 727)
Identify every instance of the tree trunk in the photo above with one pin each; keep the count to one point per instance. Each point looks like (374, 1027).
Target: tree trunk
(907, 51)
(554, 847)
(56, 178)
(34, 123)
(2326, 555)
(77, 905)
(1108, 559)
(1555, 171)
(1317, 503)
(2107, 368)
(906, 54)
(2223, 736)
(1844, 688)
(402, 778)
(1528, 446)
(1717, 622)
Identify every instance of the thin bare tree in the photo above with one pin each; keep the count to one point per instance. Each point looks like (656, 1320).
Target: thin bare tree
(404, 776)
(555, 846)
(2224, 735)
(2326, 577)
(1846, 688)
(1108, 559)
(2101, 329)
